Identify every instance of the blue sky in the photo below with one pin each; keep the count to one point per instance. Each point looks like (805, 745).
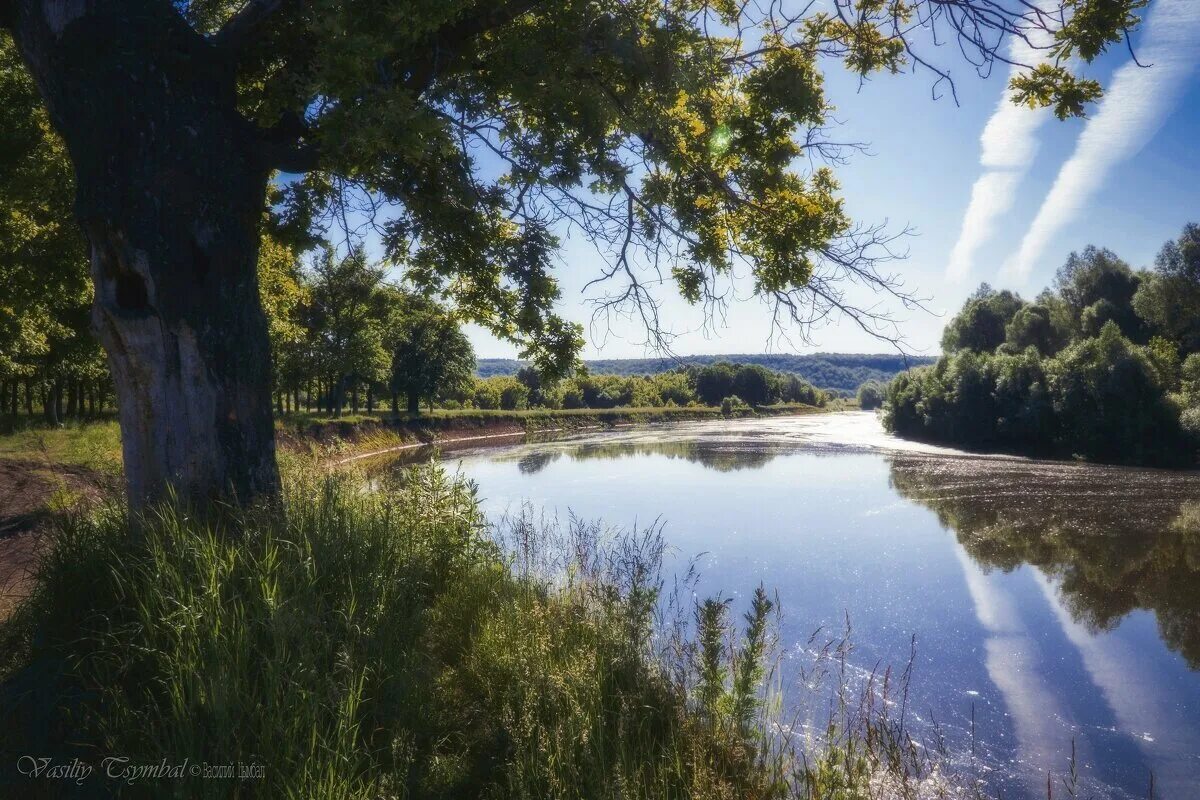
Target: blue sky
(1127, 178)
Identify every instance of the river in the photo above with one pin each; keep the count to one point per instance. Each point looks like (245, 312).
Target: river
(1052, 605)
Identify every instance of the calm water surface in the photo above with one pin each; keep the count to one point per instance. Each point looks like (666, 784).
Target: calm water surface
(1052, 603)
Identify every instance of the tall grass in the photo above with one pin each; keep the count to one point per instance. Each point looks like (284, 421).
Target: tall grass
(372, 641)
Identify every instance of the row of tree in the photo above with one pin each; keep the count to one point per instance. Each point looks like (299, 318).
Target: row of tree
(345, 338)
(710, 385)
(1106, 365)
(342, 336)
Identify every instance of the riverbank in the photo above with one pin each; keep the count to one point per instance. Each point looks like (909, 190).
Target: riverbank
(359, 641)
(337, 440)
(44, 467)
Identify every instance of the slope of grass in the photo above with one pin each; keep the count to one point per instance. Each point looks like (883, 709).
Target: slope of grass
(383, 642)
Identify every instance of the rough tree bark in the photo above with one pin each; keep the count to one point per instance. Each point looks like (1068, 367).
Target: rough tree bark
(171, 185)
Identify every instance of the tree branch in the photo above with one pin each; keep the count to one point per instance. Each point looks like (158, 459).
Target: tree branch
(288, 146)
(444, 45)
(243, 26)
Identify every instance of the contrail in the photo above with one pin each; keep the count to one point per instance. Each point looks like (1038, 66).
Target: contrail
(1009, 143)
(1133, 109)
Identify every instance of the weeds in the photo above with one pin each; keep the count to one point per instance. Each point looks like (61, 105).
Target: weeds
(380, 640)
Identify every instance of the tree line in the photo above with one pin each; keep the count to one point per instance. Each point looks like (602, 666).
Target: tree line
(1104, 365)
(843, 371)
(738, 385)
(345, 338)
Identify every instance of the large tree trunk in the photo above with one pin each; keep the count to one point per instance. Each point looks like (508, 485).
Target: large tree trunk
(170, 194)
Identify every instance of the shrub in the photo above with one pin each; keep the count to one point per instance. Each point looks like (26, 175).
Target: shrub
(1112, 406)
(870, 395)
(501, 392)
(732, 404)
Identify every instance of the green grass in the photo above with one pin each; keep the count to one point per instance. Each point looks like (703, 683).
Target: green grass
(387, 643)
(94, 445)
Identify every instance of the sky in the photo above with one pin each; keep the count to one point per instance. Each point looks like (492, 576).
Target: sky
(992, 192)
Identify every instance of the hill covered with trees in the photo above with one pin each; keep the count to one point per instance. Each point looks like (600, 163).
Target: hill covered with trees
(842, 371)
(1105, 365)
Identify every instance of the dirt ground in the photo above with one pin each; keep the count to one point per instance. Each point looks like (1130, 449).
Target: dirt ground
(26, 489)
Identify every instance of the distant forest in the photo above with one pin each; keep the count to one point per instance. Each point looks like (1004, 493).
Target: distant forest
(844, 371)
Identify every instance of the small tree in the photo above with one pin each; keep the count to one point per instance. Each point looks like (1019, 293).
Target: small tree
(431, 356)
(981, 325)
(532, 379)
(345, 323)
(870, 395)
(756, 385)
(715, 382)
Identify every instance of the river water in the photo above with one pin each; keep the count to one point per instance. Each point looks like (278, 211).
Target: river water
(1052, 605)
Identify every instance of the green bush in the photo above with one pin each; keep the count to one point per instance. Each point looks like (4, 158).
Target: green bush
(870, 395)
(1103, 398)
(733, 404)
(1101, 367)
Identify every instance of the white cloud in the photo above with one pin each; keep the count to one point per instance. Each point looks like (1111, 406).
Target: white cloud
(1008, 144)
(1135, 105)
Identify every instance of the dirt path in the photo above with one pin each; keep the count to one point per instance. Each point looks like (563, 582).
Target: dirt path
(26, 489)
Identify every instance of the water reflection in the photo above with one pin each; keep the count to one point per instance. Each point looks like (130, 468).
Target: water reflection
(722, 458)
(1112, 540)
(1054, 604)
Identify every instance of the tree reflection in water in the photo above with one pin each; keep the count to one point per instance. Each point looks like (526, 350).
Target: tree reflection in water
(722, 457)
(1114, 540)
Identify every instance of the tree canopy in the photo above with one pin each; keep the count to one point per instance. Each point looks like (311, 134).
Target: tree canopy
(431, 356)
(464, 133)
(982, 324)
(1103, 366)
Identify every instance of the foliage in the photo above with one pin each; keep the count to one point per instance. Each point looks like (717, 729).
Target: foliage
(1097, 287)
(1092, 369)
(343, 321)
(715, 382)
(870, 395)
(1034, 325)
(756, 385)
(649, 124)
(732, 404)
(45, 294)
(431, 356)
(1168, 297)
(504, 393)
(982, 324)
(846, 371)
